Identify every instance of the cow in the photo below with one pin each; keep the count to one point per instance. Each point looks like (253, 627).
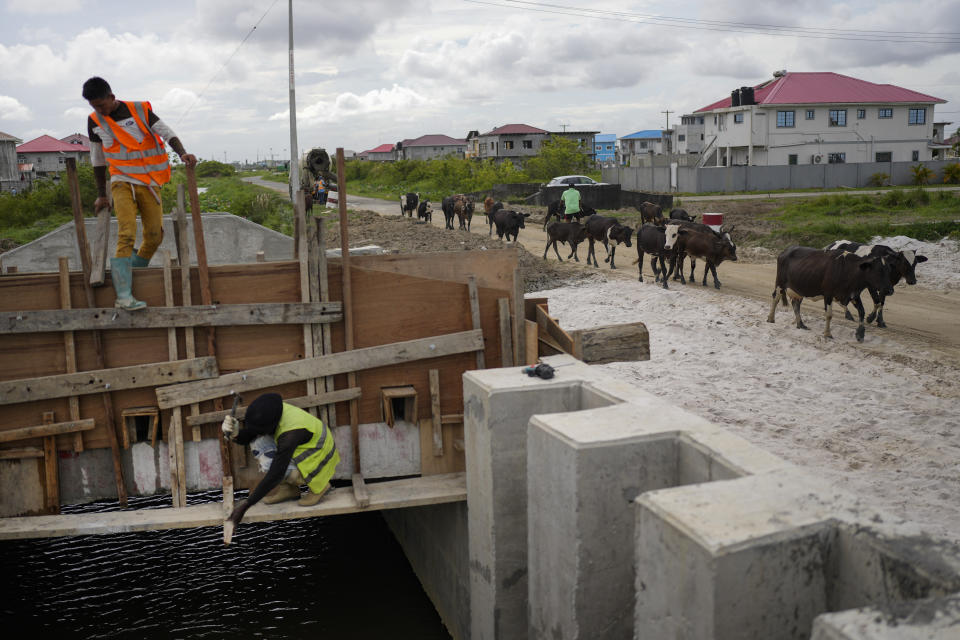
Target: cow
(408, 203)
(610, 232)
(496, 206)
(554, 210)
(425, 211)
(710, 247)
(650, 212)
(570, 233)
(463, 208)
(446, 205)
(681, 214)
(651, 239)
(805, 272)
(902, 265)
(509, 223)
(672, 230)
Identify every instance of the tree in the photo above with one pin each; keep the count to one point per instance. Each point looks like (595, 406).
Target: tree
(921, 174)
(557, 157)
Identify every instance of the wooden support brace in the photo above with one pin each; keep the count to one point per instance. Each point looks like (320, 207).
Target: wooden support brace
(98, 265)
(178, 481)
(475, 314)
(51, 492)
(435, 412)
(506, 341)
(519, 331)
(21, 452)
(532, 342)
(227, 495)
(46, 429)
(69, 347)
(319, 400)
(360, 492)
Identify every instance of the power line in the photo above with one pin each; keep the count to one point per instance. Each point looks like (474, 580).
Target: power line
(821, 33)
(224, 65)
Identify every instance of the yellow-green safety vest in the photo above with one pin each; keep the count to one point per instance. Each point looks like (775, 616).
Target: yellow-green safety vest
(316, 459)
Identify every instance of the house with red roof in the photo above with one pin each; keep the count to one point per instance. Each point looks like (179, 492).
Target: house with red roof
(49, 155)
(430, 146)
(820, 117)
(384, 153)
(517, 142)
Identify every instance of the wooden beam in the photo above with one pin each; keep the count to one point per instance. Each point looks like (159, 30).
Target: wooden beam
(79, 227)
(46, 429)
(451, 418)
(329, 412)
(475, 314)
(51, 475)
(549, 326)
(178, 476)
(435, 413)
(69, 348)
(361, 494)
(166, 317)
(392, 494)
(303, 402)
(532, 344)
(519, 331)
(347, 292)
(506, 340)
(306, 285)
(98, 264)
(116, 379)
(333, 364)
(612, 343)
(21, 452)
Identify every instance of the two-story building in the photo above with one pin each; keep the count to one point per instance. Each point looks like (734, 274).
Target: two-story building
(818, 117)
(511, 141)
(430, 146)
(384, 153)
(605, 148)
(687, 137)
(49, 155)
(640, 143)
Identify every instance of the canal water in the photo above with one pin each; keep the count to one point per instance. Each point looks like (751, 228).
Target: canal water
(341, 577)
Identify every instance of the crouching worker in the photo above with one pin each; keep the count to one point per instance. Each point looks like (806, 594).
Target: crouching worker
(291, 446)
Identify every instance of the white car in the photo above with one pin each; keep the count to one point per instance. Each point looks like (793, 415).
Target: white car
(561, 181)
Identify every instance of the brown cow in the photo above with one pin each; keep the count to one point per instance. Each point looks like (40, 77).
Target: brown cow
(805, 272)
(650, 212)
(697, 244)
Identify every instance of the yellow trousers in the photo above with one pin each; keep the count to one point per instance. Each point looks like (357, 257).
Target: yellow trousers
(128, 199)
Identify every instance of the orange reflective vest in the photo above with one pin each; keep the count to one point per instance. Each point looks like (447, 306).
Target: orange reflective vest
(145, 161)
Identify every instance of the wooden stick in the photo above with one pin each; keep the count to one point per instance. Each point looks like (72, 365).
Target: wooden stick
(99, 362)
(519, 331)
(303, 402)
(347, 302)
(475, 314)
(435, 412)
(70, 349)
(46, 429)
(506, 343)
(22, 452)
(325, 329)
(533, 354)
(51, 492)
(306, 283)
(98, 265)
(178, 483)
(179, 215)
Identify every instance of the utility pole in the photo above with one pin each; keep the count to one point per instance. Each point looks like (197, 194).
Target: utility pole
(564, 127)
(668, 112)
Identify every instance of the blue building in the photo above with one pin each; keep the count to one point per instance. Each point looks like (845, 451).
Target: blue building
(605, 147)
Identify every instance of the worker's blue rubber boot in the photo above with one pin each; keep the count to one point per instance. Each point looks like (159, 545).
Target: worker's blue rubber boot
(121, 272)
(139, 262)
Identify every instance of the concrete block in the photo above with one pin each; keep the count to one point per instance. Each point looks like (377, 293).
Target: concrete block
(25, 474)
(931, 619)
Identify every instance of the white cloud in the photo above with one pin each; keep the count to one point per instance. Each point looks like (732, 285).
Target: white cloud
(397, 100)
(58, 7)
(13, 109)
(77, 113)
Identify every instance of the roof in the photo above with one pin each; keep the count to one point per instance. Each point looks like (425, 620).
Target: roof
(384, 148)
(49, 144)
(605, 137)
(825, 87)
(76, 138)
(646, 133)
(514, 129)
(6, 137)
(433, 140)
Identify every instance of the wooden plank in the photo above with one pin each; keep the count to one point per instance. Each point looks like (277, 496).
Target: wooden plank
(21, 452)
(172, 349)
(336, 363)
(435, 413)
(452, 460)
(612, 343)
(361, 494)
(69, 348)
(46, 429)
(532, 343)
(530, 307)
(303, 402)
(392, 494)
(451, 418)
(178, 480)
(227, 495)
(78, 221)
(164, 317)
(550, 326)
(51, 475)
(179, 215)
(519, 331)
(346, 289)
(303, 255)
(506, 340)
(98, 258)
(116, 379)
(475, 314)
(492, 268)
(549, 346)
(329, 412)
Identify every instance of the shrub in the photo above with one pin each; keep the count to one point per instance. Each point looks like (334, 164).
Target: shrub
(879, 179)
(921, 174)
(951, 173)
(213, 169)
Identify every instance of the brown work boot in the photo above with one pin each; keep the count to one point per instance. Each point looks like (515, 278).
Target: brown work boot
(310, 498)
(281, 493)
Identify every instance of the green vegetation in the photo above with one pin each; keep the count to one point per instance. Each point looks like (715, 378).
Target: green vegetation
(879, 179)
(951, 173)
(213, 169)
(921, 174)
(917, 213)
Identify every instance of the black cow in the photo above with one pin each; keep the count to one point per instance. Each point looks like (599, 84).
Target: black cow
(425, 211)
(902, 265)
(672, 229)
(708, 246)
(496, 206)
(681, 214)
(554, 210)
(650, 239)
(610, 232)
(446, 205)
(805, 272)
(650, 212)
(570, 233)
(509, 223)
(408, 203)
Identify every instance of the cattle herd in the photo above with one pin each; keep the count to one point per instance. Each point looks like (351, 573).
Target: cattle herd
(839, 272)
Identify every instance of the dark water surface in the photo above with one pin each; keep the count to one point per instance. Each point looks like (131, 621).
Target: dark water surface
(334, 577)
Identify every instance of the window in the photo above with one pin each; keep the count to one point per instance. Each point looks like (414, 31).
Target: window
(681, 137)
(792, 158)
(885, 112)
(811, 114)
(643, 145)
(483, 146)
(836, 158)
(609, 147)
(915, 156)
(784, 119)
(838, 117)
(714, 119)
(599, 147)
(917, 116)
(528, 144)
(508, 144)
(883, 156)
(738, 118)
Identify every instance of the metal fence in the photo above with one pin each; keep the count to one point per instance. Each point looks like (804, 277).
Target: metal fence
(751, 178)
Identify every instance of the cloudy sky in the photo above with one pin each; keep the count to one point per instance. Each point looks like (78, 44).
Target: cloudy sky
(375, 71)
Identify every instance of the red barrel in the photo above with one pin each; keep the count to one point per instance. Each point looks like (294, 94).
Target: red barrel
(713, 219)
